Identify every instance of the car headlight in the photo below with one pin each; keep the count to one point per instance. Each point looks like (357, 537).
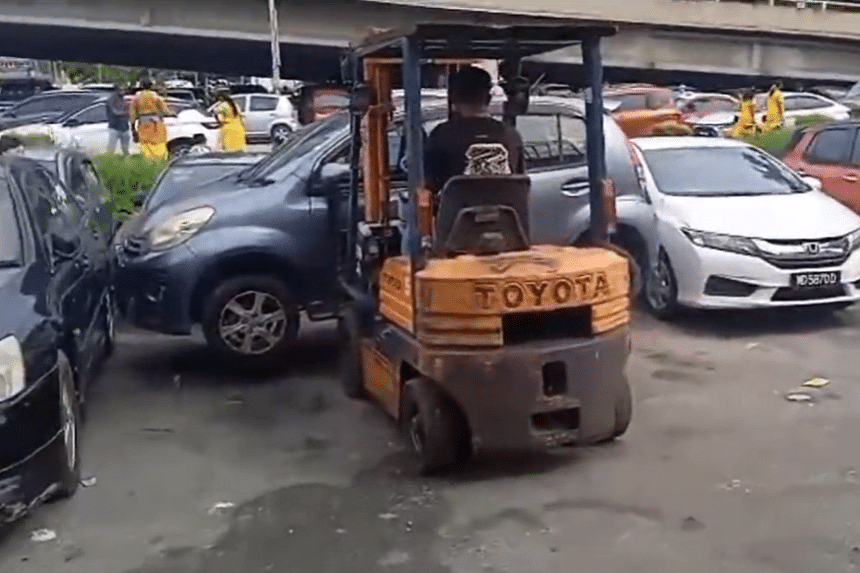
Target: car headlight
(179, 228)
(853, 241)
(730, 243)
(11, 367)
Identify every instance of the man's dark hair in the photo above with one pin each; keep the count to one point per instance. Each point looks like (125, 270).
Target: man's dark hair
(146, 83)
(470, 85)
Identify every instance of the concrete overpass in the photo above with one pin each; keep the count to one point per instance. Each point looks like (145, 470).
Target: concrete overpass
(738, 37)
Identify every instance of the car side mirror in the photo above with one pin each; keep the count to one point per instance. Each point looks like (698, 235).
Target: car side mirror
(64, 247)
(813, 182)
(331, 177)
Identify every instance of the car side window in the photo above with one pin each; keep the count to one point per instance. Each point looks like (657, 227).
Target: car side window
(241, 102)
(263, 103)
(94, 181)
(551, 140)
(830, 146)
(38, 105)
(94, 114)
(629, 102)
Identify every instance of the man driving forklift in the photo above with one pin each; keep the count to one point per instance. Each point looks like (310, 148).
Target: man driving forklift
(471, 142)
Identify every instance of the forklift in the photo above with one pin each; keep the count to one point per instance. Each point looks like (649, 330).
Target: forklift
(468, 335)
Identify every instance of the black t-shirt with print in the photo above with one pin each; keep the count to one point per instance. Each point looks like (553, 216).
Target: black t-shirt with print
(448, 148)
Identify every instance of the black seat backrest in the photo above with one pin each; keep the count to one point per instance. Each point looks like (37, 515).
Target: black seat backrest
(483, 214)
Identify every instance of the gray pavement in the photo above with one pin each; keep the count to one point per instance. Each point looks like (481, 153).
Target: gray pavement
(719, 472)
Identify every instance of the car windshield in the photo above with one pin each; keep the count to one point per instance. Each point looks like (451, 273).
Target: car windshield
(720, 171)
(180, 177)
(10, 234)
(302, 142)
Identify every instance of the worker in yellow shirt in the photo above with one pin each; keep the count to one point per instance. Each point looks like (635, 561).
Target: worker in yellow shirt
(746, 124)
(233, 136)
(147, 113)
(775, 117)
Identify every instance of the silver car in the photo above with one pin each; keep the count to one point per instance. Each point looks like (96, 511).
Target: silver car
(267, 117)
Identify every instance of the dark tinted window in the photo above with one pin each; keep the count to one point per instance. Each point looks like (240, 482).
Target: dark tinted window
(830, 146)
(263, 103)
(59, 103)
(302, 142)
(10, 234)
(54, 208)
(743, 171)
(551, 140)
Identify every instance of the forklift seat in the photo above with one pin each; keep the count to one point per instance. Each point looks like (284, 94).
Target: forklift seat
(483, 214)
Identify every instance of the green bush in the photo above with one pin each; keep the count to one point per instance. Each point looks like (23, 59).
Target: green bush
(127, 177)
(774, 142)
(671, 128)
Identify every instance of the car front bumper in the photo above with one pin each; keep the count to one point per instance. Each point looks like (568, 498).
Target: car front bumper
(710, 278)
(29, 431)
(154, 290)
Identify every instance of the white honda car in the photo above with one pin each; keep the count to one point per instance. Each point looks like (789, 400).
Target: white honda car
(740, 229)
(188, 131)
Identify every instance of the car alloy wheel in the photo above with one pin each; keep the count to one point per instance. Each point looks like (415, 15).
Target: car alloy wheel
(68, 417)
(661, 290)
(252, 323)
(280, 133)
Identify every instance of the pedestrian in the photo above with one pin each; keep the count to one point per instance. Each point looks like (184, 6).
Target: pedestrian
(775, 117)
(148, 111)
(746, 124)
(117, 115)
(232, 124)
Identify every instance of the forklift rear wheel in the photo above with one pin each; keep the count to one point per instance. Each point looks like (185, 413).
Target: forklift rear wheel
(351, 374)
(433, 426)
(623, 410)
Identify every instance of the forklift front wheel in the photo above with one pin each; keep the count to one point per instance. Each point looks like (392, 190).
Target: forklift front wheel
(351, 374)
(433, 426)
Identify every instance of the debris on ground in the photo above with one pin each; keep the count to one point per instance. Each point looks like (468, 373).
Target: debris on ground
(221, 507)
(393, 558)
(71, 552)
(387, 516)
(799, 396)
(816, 382)
(43, 535)
(89, 481)
(752, 345)
(732, 485)
(690, 523)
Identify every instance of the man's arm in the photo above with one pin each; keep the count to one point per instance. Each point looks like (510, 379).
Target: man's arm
(433, 161)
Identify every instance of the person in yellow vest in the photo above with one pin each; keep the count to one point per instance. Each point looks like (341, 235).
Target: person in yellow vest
(147, 114)
(232, 124)
(775, 117)
(746, 124)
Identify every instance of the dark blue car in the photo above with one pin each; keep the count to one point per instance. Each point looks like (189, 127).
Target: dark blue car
(56, 328)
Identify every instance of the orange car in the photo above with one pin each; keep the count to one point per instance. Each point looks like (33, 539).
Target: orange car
(639, 108)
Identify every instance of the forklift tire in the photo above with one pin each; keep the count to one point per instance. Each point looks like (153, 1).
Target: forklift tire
(623, 410)
(351, 373)
(433, 426)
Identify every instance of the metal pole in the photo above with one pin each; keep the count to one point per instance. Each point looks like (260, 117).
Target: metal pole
(415, 141)
(276, 46)
(595, 145)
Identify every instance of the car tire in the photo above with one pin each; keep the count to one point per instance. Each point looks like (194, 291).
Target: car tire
(67, 463)
(351, 372)
(280, 133)
(181, 149)
(433, 426)
(251, 319)
(623, 410)
(661, 289)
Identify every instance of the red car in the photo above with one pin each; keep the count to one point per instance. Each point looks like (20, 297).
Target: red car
(832, 154)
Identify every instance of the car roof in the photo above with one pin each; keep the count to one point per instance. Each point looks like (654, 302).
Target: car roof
(686, 142)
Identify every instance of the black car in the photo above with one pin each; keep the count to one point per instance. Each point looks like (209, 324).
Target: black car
(48, 107)
(56, 328)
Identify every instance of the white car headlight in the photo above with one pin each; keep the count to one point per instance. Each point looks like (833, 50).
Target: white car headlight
(11, 367)
(179, 228)
(730, 243)
(853, 240)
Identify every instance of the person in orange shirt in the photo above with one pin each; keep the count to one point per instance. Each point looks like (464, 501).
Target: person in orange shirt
(147, 114)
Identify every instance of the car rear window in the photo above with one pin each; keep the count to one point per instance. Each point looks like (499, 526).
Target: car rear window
(743, 171)
(10, 233)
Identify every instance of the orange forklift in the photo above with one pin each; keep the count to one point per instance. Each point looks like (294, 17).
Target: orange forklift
(471, 337)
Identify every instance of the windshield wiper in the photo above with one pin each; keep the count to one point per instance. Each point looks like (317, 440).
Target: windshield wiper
(261, 182)
(9, 264)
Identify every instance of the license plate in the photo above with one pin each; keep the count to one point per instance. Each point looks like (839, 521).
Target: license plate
(816, 280)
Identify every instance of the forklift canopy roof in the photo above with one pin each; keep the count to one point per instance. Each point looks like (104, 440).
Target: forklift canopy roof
(487, 42)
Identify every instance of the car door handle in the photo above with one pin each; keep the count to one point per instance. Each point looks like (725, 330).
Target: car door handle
(575, 188)
(850, 178)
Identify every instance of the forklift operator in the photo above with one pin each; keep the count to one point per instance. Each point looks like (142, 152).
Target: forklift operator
(471, 142)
